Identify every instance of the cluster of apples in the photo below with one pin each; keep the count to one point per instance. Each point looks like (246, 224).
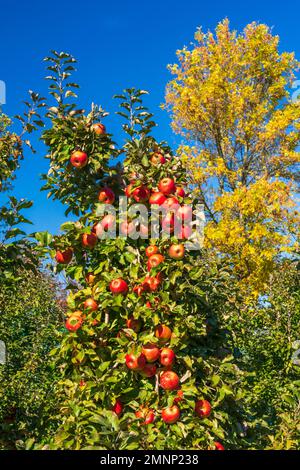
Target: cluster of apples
(79, 158)
(75, 320)
(166, 196)
(154, 359)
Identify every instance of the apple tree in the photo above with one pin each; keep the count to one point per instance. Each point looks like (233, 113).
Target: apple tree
(144, 360)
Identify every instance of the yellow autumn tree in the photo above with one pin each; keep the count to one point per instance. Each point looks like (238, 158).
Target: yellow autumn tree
(230, 101)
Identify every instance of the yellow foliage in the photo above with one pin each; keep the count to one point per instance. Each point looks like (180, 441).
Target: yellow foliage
(230, 101)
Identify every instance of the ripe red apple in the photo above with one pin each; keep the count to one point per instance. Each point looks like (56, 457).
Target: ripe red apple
(167, 186)
(168, 222)
(171, 203)
(176, 251)
(157, 158)
(149, 370)
(139, 290)
(118, 407)
(179, 396)
(90, 304)
(151, 250)
(99, 128)
(185, 213)
(74, 322)
(179, 191)
(151, 283)
(157, 198)
(134, 362)
(202, 408)
(150, 417)
(77, 313)
(141, 194)
(64, 257)
(145, 414)
(90, 278)
(171, 414)
(151, 352)
(134, 324)
(167, 357)
(169, 380)
(108, 222)
(163, 333)
(127, 228)
(106, 195)
(185, 232)
(218, 446)
(79, 159)
(118, 286)
(143, 230)
(154, 261)
(89, 240)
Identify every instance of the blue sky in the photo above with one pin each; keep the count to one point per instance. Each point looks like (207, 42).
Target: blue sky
(118, 44)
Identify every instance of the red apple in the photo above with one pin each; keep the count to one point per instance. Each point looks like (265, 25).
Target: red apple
(134, 324)
(151, 283)
(141, 194)
(118, 407)
(176, 251)
(179, 396)
(154, 261)
(77, 313)
(151, 352)
(139, 290)
(157, 158)
(90, 304)
(151, 250)
(171, 414)
(143, 230)
(89, 240)
(74, 322)
(106, 195)
(185, 232)
(127, 228)
(64, 257)
(108, 222)
(169, 380)
(79, 159)
(134, 362)
(145, 414)
(168, 222)
(179, 191)
(157, 198)
(171, 203)
(202, 408)
(218, 446)
(118, 286)
(163, 333)
(149, 370)
(185, 213)
(167, 186)
(150, 417)
(167, 357)
(99, 128)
